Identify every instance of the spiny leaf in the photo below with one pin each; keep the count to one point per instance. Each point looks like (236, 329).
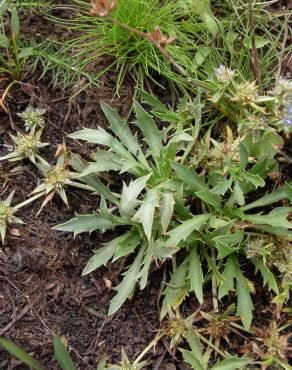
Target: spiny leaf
(149, 129)
(222, 187)
(244, 302)
(189, 177)
(86, 223)
(191, 359)
(270, 219)
(196, 274)
(238, 194)
(185, 229)
(93, 180)
(232, 363)
(147, 209)
(127, 245)
(166, 210)
(130, 194)
(267, 275)
(126, 287)
(176, 291)
(195, 344)
(228, 275)
(266, 200)
(104, 254)
(123, 132)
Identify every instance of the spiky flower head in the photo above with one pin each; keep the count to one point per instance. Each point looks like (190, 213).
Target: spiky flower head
(57, 176)
(275, 343)
(245, 93)
(7, 215)
(284, 265)
(283, 86)
(27, 146)
(33, 118)
(224, 75)
(259, 246)
(216, 153)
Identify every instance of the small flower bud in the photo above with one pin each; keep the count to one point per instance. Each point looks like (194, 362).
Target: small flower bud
(102, 8)
(223, 74)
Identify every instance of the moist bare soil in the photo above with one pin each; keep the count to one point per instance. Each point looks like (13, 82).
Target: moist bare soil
(41, 287)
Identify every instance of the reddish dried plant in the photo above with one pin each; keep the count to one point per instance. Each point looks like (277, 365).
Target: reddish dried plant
(102, 8)
(158, 38)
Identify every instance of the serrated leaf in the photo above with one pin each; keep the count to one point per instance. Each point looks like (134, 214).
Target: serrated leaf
(176, 291)
(62, 355)
(86, 223)
(178, 138)
(256, 180)
(149, 129)
(244, 302)
(127, 245)
(20, 354)
(146, 265)
(266, 200)
(232, 363)
(243, 155)
(191, 359)
(189, 177)
(15, 26)
(195, 274)
(238, 194)
(195, 344)
(152, 101)
(166, 209)
(222, 187)
(209, 198)
(270, 219)
(101, 137)
(267, 275)
(123, 132)
(126, 287)
(147, 210)
(93, 180)
(228, 244)
(104, 161)
(130, 194)
(228, 275)
(185, 229)
(103, 255)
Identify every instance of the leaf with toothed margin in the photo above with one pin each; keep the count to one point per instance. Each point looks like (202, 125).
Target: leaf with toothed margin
(185, 229)
(104, 254)
(127, 285)
(88, 223)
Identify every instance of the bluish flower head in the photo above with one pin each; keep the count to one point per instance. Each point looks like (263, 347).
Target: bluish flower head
(287, 120)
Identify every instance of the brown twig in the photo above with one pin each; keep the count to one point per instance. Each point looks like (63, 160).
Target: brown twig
(255, 58)
(281, 57)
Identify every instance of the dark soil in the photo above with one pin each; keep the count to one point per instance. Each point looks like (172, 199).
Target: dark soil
(41, 288)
